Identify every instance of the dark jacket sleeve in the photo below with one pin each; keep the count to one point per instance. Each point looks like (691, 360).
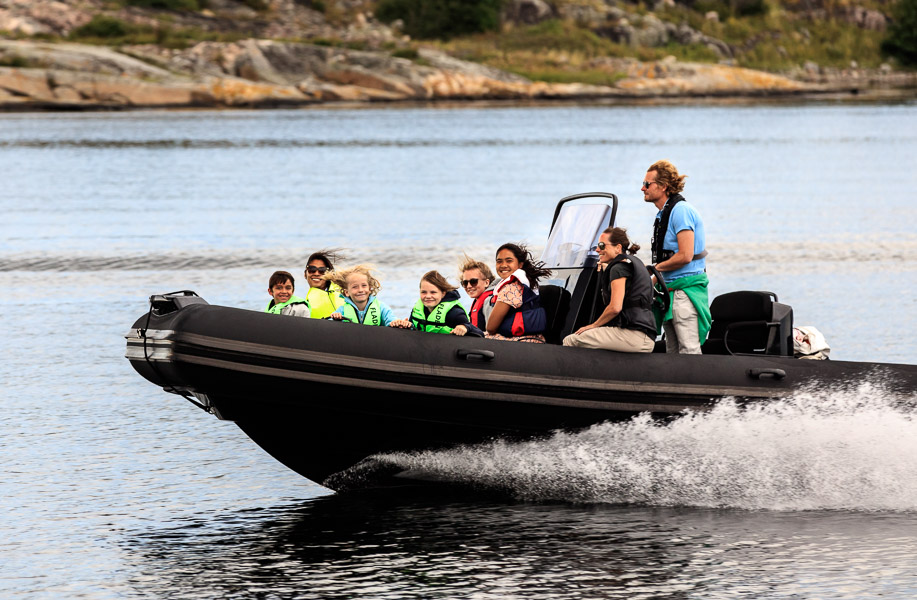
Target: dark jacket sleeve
(474, 331)
(456, 316)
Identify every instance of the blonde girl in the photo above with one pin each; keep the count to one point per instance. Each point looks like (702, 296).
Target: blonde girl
(360, 287)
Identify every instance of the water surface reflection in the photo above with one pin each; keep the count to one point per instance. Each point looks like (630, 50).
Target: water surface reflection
(384, 545)
(455, 545)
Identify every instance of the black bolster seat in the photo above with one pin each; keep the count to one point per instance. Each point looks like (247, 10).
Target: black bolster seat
(556, 302)
(749, 322)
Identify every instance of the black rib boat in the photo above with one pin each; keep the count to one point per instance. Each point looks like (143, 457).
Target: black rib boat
(320, 396)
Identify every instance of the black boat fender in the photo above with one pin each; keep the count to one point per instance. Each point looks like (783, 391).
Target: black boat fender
(161, 305)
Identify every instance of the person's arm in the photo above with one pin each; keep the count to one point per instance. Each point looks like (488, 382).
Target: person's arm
(388, 317)
(402, 323)
(456, 316)
(614, 305)
(468, 329)
(684, 255)
(499, 312)
(399, 323)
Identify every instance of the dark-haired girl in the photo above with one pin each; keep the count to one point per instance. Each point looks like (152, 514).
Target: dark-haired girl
(438, 310)
(516, 312)
(324, 296)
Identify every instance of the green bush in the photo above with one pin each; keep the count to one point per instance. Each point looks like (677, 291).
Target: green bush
(719, 6)
(102, 27)
(318, 5)
(747, 8)
(13, 60)
(113, 32)
(428, 19)
(257, 5)
(554, 34)
(901, 41)
(409, 53)
(186, 5)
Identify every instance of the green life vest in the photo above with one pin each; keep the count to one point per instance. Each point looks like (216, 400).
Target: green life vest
(324, 302)
(371, 316)
(435, 322)
(275, 309)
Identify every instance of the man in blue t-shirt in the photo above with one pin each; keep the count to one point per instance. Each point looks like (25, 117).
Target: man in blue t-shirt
(679, 251)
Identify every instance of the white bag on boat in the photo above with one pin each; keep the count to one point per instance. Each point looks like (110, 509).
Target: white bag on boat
(810, 343)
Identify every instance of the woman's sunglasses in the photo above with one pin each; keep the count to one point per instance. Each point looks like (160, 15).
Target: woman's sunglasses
(319, 270)
(471, 282)
(599, 246)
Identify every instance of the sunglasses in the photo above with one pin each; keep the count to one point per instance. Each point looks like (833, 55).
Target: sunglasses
(319, 270)
(471, 282)
(599, 246)
(647, 184)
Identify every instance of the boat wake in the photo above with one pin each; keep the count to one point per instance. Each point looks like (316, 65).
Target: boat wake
(849, 448)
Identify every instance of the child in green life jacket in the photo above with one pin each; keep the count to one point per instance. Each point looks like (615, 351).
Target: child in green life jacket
(283, 302)
(438, 310)
(360, 303)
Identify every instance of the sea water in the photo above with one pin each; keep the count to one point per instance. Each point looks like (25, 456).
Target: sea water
(112, 488)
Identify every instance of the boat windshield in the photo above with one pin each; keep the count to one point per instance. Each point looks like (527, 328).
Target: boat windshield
(575, 233)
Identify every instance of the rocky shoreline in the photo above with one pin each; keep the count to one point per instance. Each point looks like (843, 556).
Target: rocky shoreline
(265, 73)
(322, 68)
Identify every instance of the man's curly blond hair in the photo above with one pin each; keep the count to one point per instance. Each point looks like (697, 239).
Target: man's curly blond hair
(667, 175)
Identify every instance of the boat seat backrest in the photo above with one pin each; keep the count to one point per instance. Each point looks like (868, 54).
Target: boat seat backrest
(750, 322)
(556, 302)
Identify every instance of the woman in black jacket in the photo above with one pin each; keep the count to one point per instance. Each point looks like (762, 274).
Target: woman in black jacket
(626, 323)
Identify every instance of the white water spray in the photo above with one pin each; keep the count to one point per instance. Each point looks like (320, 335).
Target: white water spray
(852, 448)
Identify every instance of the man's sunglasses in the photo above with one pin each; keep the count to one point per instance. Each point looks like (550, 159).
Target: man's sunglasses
(319, 270)
(471, 282)
(647, 184)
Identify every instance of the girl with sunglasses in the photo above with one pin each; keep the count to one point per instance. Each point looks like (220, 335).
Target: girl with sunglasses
(626, 323)
(478, 282)
(438, 310)
(324, 296)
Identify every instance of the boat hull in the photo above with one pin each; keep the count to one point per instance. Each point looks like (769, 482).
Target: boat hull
(320, 396)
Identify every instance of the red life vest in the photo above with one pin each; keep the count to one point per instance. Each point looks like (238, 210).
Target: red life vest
(529, 319)
(476, 315)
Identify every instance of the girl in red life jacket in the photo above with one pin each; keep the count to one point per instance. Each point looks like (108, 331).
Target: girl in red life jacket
(517, 314)
(478, 281)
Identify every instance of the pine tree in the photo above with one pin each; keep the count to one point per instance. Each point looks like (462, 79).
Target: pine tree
(428, 19)
(901, 41)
